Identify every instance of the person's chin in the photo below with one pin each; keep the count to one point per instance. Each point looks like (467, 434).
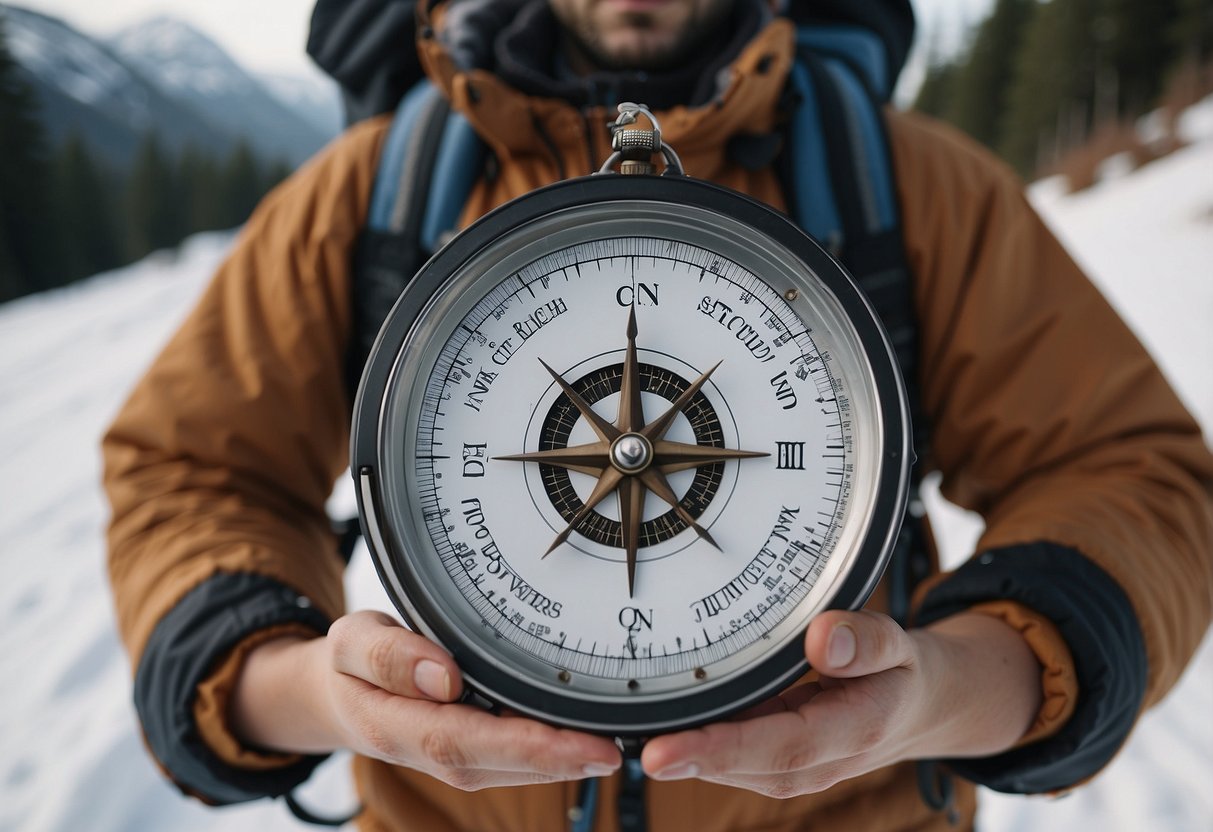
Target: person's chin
(637, 6)
(638, 50)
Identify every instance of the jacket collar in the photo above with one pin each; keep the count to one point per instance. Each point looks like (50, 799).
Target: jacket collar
(745, 100)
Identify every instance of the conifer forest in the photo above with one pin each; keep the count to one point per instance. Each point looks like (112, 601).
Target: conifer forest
(1051, 87)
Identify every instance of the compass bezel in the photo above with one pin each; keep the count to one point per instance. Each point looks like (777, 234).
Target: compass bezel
(498, 680)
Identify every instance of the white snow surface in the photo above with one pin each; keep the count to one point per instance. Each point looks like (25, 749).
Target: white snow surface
(72, 756)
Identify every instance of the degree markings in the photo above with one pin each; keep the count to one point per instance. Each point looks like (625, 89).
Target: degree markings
(493, 308)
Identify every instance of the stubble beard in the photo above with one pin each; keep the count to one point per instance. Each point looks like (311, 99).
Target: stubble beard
(649, 50)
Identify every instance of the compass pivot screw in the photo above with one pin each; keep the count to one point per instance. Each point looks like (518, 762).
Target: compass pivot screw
(631, 453)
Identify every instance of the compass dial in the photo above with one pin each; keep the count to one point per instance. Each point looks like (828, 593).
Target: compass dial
(561, 418)
(614, 453)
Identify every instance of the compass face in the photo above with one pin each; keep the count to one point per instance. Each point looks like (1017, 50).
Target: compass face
(618, 444)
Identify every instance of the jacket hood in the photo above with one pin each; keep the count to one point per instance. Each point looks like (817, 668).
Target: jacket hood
(367, 47)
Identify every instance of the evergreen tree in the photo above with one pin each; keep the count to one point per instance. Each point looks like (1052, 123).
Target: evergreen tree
(274, 175)
(12, 283)
(153, 207)
(1049, 105)
(28, 254)
(85, 204)
(935, 94)
(242, 186)
(1136, 48)
(1191, 34)
(200, 190)
(979, 93)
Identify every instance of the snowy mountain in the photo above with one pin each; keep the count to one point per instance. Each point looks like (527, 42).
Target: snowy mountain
(73, 759)
(181, 59)
(84, 88)
(162, 76)
(191, 67)
(316, 98)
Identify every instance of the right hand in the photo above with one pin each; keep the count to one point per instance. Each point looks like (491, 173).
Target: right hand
(376, 688)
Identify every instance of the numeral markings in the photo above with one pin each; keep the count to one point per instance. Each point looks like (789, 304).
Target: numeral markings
(789, 456)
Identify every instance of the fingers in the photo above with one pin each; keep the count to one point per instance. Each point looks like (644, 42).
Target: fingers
(463, 737)
(471, 749)
(372, 646)
(393, 692)
(776, 743)
(812, 736)
(845, 645)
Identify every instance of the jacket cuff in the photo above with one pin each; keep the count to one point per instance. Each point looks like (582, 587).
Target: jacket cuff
(1097, 622)
(214, 695)
(194, 643)
(1058, 684)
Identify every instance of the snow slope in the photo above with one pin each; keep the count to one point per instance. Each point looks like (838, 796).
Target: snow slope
(72, 758)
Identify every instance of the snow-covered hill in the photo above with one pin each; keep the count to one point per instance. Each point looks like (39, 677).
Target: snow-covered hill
(72, 756)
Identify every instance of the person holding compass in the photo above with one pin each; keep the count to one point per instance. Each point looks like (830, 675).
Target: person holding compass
(1024, 670)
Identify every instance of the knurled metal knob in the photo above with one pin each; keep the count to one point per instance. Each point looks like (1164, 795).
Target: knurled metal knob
(635, 140)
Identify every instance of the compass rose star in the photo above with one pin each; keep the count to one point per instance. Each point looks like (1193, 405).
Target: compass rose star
(631, 457)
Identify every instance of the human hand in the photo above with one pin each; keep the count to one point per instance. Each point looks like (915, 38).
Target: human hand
(382, 691)
(966, 686)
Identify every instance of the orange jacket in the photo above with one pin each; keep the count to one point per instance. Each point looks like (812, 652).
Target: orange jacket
(1049, 419)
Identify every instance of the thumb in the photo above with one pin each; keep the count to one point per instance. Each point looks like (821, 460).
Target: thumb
(848, 644)
(375, 648)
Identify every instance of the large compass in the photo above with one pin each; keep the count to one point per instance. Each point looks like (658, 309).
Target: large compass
(620, 441)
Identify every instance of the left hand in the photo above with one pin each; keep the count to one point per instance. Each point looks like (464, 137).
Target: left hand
(967, 686)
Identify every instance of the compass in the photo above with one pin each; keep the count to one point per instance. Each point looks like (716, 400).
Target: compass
(620, 440)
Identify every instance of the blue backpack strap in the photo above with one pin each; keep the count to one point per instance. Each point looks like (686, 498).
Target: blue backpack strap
(860, 48)
(409, 217)
(842, 188)
(844, 193)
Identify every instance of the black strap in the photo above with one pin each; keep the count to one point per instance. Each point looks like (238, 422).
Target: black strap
(631, 799)
(348, 532)
(307, 816)
(937, 789)
(386, 259)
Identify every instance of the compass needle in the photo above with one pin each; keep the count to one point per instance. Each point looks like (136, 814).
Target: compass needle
(631, 511)
(606, 484)
(677, 456)
(631, 413)
(657, 483)
(657, 429)
(605, 430)
(592, 457)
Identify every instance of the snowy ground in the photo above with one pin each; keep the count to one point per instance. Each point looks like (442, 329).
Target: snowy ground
(71, 756)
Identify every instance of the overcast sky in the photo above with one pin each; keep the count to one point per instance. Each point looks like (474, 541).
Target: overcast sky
(269, 35)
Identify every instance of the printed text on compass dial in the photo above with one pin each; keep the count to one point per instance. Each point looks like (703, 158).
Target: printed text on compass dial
(775, 518)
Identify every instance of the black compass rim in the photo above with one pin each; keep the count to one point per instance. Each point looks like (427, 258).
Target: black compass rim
(646, 715)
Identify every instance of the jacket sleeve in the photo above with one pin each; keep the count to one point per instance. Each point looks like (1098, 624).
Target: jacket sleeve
(219, 465)
(1051, 420)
